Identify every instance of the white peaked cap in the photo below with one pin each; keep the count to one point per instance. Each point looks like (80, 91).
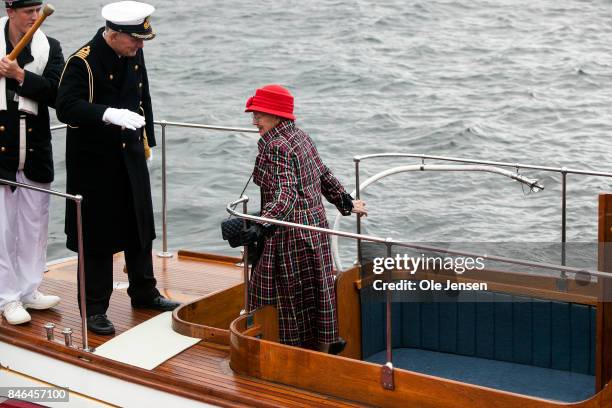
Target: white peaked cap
(127, 12)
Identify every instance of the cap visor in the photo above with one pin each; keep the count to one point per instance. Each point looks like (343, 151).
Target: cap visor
(144, 37)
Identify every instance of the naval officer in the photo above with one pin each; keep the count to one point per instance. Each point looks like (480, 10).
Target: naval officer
(104, 98)
(28, 86)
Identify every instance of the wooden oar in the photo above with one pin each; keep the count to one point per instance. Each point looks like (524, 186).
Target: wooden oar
(46, 12)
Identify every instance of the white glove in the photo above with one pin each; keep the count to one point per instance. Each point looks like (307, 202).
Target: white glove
(124, 118)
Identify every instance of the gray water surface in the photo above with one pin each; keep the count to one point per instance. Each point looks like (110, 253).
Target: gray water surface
(517, 81)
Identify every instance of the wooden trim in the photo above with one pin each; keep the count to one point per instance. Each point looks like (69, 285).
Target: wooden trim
(201, 372)
(349, 312)
(542, 287)
(603, 352)
(209, 317)
(359, 381)
(129, 373)
(206, 256)
(243, 356)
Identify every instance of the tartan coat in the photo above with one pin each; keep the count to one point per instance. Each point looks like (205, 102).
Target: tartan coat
(295, 270)
(105, 163)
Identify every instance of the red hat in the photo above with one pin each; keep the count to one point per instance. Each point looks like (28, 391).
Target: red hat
(272, 99)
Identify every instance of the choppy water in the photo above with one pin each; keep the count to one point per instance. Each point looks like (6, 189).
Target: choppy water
(510, 80)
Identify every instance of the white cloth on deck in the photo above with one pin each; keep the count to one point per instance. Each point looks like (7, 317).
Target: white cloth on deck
(24, 225)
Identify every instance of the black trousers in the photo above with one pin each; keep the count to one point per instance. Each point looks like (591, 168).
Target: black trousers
(99, 278)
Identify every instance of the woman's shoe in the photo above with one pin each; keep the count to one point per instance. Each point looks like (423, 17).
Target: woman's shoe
(337, 347)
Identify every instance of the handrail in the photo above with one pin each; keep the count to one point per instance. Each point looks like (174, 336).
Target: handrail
(184, 124)
(389, 242)
(201, 126)
(564, 171)
(533, 184)
(393, 242)
(78, 199)
(42, 190)
(163, 123)
(164, 253)
(359, 158)
(387, 368)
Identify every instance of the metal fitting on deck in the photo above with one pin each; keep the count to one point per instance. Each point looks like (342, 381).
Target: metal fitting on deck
(67, 332)
(49, 328)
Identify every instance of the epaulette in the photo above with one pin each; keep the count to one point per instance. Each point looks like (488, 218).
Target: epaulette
(83, 52)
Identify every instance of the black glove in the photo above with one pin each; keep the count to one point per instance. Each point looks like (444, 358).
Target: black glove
(251, 234)
(346, 207)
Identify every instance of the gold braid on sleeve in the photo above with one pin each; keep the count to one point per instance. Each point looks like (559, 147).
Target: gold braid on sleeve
(145, 140)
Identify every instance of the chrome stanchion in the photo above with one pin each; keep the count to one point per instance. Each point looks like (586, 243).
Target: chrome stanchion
(562, 281)
(245, 261)
(563, 214)
(357, 197)
(81, 273)
(164, 253)
(386, 374)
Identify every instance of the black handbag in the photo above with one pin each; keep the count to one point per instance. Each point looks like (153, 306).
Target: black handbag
(231, 227)
(230, 231)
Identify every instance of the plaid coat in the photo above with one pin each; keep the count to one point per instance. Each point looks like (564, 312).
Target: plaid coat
(294, 272)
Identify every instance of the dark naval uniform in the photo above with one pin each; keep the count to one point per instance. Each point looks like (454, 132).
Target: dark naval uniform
(42, 89)
(106, 164)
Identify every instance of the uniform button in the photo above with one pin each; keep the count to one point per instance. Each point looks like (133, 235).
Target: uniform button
(2, 149)
(136, 67)
(29, 130)
(2, 128)
(140, 103)
(140, 85)
(30, 150)
(123, 145)
(111, 77)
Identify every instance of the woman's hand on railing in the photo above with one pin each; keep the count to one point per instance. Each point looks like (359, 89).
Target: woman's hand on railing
(251, 234)
(359, 208)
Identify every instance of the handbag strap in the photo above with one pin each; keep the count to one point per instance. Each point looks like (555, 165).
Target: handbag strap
(241, 194)
(248, 181)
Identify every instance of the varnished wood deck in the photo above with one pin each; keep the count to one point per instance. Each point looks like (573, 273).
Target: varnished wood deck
(199, 372)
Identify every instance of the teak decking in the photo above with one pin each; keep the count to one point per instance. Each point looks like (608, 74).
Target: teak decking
(200, 372)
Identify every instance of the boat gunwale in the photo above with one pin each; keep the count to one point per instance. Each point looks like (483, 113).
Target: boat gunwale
(294, 379)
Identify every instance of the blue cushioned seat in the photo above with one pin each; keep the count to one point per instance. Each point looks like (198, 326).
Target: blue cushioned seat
(539, 382)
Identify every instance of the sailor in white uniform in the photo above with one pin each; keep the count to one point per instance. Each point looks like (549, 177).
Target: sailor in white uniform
(28, 86)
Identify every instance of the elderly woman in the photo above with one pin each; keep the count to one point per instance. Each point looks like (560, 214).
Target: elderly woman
(294, 272)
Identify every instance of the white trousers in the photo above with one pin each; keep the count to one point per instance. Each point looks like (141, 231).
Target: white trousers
(24, 224)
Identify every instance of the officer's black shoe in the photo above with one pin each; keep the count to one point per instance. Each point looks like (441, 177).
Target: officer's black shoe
(157, 303)
(100, 324)
(337, 347)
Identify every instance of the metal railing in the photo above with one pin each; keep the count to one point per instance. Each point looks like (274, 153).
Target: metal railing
(81, 260)
(390, 243)
(358, 236)
(533, 184)
(164, 124)
(564, 171)
(78, 201)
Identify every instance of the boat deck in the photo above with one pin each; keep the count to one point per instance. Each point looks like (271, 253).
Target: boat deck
(200, 372)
